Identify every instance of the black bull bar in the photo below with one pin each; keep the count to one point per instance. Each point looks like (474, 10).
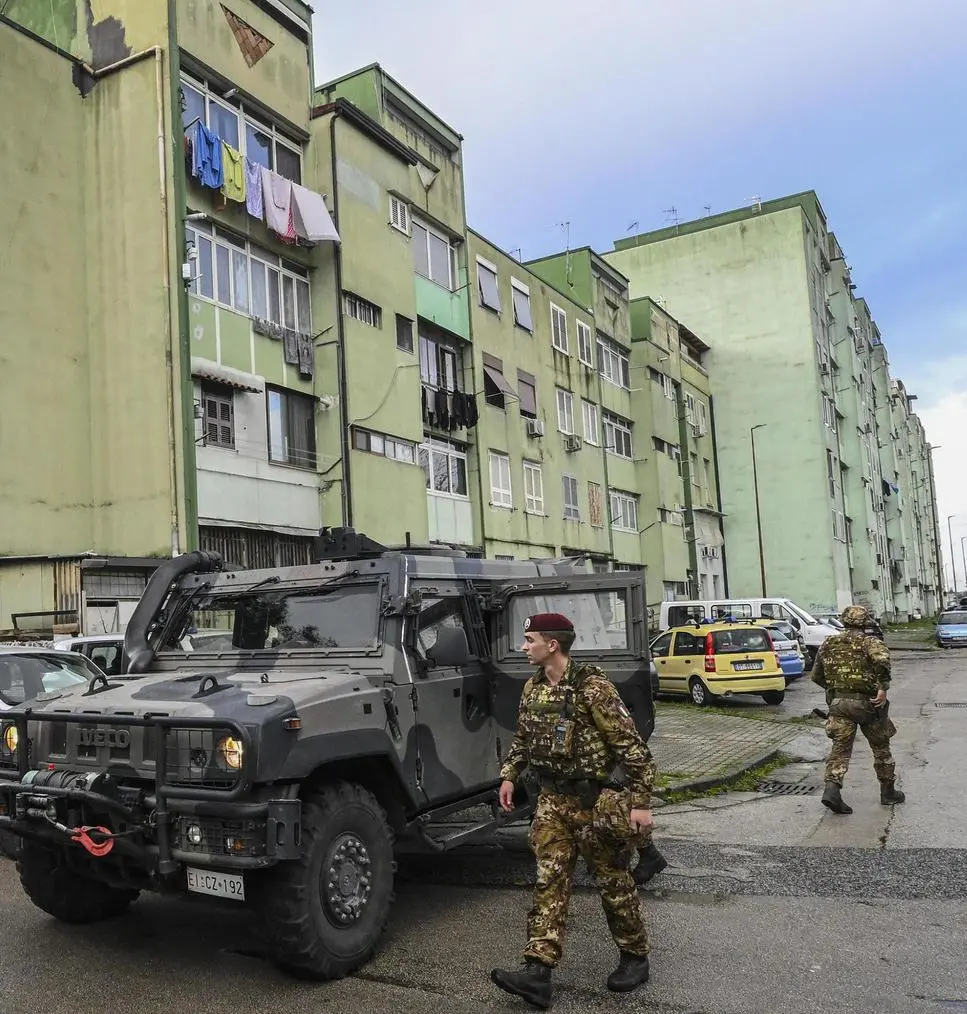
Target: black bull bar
(197, 799)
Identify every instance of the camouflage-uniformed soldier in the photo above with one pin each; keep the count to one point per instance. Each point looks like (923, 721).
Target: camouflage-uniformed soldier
(572, 731)
(854, 669)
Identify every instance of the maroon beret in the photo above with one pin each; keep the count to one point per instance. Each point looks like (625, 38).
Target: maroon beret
(547, 623)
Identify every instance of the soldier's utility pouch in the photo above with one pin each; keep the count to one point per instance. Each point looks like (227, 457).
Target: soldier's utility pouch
(854, 709)
(611, 818)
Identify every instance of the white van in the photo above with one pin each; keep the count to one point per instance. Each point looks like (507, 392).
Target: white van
(814, 632)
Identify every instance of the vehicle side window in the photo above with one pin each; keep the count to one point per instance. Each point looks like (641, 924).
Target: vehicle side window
(107, 657)
(687, 644)
(661, 645)
(437, 614)
(740, 610)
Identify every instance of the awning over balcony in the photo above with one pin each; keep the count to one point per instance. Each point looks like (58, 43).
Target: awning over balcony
(708, 530)
(205, 369)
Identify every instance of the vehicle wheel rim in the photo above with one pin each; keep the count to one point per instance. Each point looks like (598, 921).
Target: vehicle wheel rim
(346, 880)
(698, 693)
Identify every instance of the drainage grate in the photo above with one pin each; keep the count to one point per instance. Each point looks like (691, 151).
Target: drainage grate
(785, 789)
(950, 704)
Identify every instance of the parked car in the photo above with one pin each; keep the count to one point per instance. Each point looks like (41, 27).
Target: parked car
(831, 619)
(789, 648)
(106, 651)
(26, 672)
(709, 660)
(952, 629)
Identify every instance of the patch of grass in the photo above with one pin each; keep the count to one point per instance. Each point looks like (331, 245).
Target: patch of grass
(746, 782)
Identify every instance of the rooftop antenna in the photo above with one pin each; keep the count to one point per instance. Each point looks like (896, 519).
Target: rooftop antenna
(757, 203)
(519, 251)
(566, 228)
(708, 210)
(634, 225)
(672, 213)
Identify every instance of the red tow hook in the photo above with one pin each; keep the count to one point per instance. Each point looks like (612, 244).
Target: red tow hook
(96, 848)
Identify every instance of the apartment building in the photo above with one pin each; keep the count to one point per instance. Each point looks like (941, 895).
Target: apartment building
(814, 438)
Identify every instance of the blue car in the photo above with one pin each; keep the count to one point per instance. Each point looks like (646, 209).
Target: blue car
(789, 650)
(952, 629)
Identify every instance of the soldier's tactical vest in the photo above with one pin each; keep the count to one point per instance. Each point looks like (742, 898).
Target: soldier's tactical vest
(847, 665)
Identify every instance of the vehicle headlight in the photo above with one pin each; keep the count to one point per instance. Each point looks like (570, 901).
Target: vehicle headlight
(10, 738)
(229, 751)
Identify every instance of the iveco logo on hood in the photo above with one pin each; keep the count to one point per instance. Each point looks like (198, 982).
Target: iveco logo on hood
(120, 738)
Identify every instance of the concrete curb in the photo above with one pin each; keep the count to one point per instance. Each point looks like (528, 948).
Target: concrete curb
(714, 781)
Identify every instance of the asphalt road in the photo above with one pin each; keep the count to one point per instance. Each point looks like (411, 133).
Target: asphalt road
(770, 904)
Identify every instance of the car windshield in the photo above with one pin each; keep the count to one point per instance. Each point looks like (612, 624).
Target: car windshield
(267, 620)
(23, 677)
(949, 619)
(783, 633)
(743, 639)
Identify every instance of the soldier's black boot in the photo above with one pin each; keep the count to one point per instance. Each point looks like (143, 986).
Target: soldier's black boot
(650, 863)
(532, 983)
(890, 794)
(833, 799)
(631, 972)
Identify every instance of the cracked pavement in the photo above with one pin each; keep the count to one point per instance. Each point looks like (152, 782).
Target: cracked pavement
(770, 903)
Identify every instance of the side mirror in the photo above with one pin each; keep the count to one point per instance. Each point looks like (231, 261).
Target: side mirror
(451, 648)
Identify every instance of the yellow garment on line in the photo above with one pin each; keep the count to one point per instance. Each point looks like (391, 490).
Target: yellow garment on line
(234, 186)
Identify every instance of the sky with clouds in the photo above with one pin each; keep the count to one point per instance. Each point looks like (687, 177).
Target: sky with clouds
(607, 119)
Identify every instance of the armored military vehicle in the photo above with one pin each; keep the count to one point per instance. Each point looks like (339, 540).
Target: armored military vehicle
(280, 732)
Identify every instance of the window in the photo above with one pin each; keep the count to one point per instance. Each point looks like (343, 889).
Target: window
(496, 386)
(624, 511)
(831, 472)
(617, 435)
(589, 412)
(669, 517)
(246, 278)
(445, 468)
(487, 285)
(702, 420)
(521, 296)
(565, 411)
(438, 364)
(685, 642)
(436, 616)
(660, 646)
(386, 446)
(404, 333)
(596, 504)
(668, 386)
(218, 405)
(292, 428)
(829, 413)
(611, 289)
(399, 214)
(527, 393)
(614, 365)
(693, 469)
(839, 525)
(433, 255)
(259, 141)
(501, 494)
(572, 510)
(559, 329)
(585, 344)
(362, 309)
(533, 488)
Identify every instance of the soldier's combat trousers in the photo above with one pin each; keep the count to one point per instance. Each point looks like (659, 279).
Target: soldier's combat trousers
(560, 831)
(842, 731)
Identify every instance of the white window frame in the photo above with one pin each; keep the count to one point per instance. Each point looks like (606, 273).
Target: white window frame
(668, 386)
(518, 288)
(453, 454)
(612, 426)
(565, 411)
(585, 344)
(383, 445)
(589, 415)
(614, 365)
(399, 214)
(624, 511)
(491, 269)
(435, 374)
(361, 309)
(246, 119)
(415, 223)
(571, 510)
(533, 488)
(559, 339)
(501, 488)
(222, 239)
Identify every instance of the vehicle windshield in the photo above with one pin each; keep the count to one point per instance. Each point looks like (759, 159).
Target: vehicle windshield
(743, 639)
(23, 677)
(268, 620)
(782, 630)
(949, 619)
(800, 612)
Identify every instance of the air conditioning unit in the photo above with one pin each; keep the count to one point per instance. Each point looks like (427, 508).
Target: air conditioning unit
(535, 427)
(572, 443)
(824, 367)
(695, 428)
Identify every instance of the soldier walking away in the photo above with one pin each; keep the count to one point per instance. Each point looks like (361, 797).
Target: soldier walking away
(572, 732)
(854, 669)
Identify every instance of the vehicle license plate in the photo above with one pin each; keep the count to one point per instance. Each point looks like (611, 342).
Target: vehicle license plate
(746, 666)
(218, 885)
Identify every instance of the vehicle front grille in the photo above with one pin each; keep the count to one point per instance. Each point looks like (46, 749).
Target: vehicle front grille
(193, 761)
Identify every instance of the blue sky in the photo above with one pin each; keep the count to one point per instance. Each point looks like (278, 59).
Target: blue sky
(615, 119)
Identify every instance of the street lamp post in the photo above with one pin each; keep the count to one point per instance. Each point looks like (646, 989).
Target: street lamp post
(953, 559)
(758, 515)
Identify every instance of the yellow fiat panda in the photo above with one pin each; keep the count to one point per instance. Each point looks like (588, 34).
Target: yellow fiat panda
(708, 660)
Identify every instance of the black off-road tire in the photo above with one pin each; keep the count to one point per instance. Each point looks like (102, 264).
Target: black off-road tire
(302, 934)
(66, 895)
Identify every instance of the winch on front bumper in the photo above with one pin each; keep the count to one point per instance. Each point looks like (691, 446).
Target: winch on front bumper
(188, 800)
